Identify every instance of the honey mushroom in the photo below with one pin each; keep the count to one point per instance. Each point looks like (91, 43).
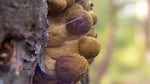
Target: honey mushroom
(70, 27)
(94, 17)
(57, 31)
(70, 69)
(70, 2)
(56, 6)
(79, 21)
(87, 5)
(66, 68)
(52, 68)
(68, 53)
(86, 50)
(75, 6)
(68, 48)
(57, 35)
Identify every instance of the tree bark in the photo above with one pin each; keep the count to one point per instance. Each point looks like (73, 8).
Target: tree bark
(23, 36)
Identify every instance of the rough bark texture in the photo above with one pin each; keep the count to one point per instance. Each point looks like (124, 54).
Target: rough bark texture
(23, 24)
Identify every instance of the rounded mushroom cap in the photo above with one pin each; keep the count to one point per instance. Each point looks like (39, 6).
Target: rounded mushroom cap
(94, 17)
(75, 6)
(85, 4)
(79, 22)
(56, 6)
(64, 49)
(71, 68)
(88, 47)
(57, 34)
(70, 2)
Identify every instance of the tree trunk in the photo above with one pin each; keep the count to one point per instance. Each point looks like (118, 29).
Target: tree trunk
(102, 68)
(147, 29)
(23, 36)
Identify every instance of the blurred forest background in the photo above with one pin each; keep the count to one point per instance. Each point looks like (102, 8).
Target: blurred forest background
(124, 33)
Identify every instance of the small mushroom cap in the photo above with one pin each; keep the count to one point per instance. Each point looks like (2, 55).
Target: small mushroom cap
(88, 47)
(67, 48)
(94, 17)
(56, 6)
(57, 34)
(85, 4)
(71, 68)
(70, 2)
(75, 6)
(79, 22)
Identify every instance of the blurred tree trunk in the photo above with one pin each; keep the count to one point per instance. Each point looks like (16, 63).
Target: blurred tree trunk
(109, 49)
(147, 28)
(23, 26)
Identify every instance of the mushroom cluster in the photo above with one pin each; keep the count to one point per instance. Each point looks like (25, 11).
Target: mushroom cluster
(72, 44)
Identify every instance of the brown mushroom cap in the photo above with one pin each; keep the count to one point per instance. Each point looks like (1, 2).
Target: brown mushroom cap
(56, 6)
(79, 22)
(57, 34)
(85, 4)
(71, 68)
(70, 2)
(75, 6)
(94, 17)
(67, 48)
(88, 47)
